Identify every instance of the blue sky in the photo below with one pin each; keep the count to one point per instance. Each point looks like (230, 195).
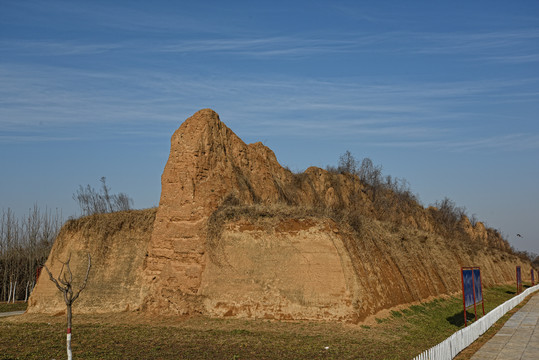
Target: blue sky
(444, 94)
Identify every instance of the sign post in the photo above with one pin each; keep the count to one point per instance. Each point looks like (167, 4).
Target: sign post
(519, 280)
(472, 290)
(533, 279)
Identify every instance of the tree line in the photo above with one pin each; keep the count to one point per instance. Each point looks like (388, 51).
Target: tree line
(25, 244)
(448, 215)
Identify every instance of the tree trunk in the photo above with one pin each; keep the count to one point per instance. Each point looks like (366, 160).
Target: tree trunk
(10, 290)
(69, 316)
(69, 296)
(14, 292)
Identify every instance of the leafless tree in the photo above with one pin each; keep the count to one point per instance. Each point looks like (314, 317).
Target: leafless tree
(92, 201)
(371, 175)
(347, 163)
(25, 244)
(449, 214)
(64, 283)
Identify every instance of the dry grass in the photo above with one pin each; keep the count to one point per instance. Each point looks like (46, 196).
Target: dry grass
(99, 231)
(109, 223)
(401, 334)
(17, 306)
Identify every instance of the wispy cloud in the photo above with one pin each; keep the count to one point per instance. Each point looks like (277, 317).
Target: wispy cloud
(260, 47)
(515, 59)
(470, 42)
(28, 138)
(469, 46)
(493, 144)
(503, 47)
(57, 48)
(62, 103)
(98, 16)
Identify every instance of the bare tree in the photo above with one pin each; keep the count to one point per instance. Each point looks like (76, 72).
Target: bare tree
(371, 175)
(92, 201)
(65, 278)
(347, 163)
(25, 244)
(449, 214)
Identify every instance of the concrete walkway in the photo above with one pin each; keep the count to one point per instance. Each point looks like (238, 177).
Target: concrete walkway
(518, 338)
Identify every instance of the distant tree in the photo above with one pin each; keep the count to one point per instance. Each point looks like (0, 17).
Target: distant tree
(92, 201)
(474, 220)
(391, 199)
(122, 202)
(65, 278)
(371, 175)
(448, 213)
(24, 244)
(347, 163)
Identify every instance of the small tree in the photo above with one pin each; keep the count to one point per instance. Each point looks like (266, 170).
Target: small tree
(347, 163)
(65, 278)
(92, 201)
(371, 175)
(449, 214)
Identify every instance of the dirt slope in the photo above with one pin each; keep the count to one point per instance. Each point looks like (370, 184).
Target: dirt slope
(275, 267)
(236, 234)
(117, 243)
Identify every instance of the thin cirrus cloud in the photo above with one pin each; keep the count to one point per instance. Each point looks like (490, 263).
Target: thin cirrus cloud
(507, 47)
(404, 109)
(469, 46)
(514, 59)
(492, 144)
(105, 17)
(57, 48)
(56, 95)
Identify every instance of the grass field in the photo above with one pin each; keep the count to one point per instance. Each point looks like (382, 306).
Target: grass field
(400, 335)
(12, 307)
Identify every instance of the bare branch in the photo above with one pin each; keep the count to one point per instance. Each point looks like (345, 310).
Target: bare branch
(69, 270)
(85, 278)
(92, 201)
(63, 282)
(53, 279)
(68, 293)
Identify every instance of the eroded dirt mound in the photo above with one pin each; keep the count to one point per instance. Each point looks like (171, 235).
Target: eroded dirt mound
(288, 263)
(342, 262)
(236, 234)
(117, 244)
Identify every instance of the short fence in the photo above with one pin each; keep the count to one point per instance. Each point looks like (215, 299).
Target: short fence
(450, 347)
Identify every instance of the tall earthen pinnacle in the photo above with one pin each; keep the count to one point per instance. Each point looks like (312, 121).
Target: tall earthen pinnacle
(207, 162)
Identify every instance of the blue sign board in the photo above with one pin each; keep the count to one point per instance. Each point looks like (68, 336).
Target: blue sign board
(468, 288)
(472, 292)
(477, 285)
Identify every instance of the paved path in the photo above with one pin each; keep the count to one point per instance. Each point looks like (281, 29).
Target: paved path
(11, 313)
(518, 338)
